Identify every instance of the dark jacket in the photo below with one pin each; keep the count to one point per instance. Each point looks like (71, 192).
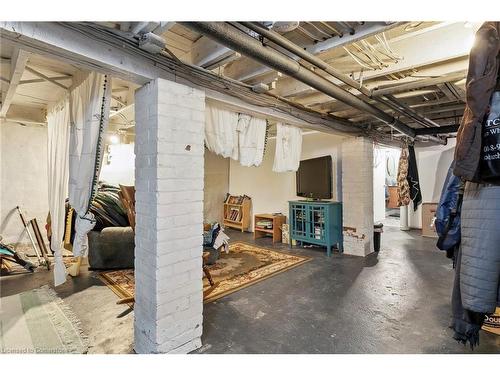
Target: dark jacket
(484, 61)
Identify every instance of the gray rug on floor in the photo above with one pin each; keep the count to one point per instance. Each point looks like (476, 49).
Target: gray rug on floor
(38, 321)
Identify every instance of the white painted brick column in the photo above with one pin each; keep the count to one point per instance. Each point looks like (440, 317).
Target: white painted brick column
(357, 195)
(169, 147)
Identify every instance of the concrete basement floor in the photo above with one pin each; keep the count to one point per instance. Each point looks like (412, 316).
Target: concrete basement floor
(395, 302)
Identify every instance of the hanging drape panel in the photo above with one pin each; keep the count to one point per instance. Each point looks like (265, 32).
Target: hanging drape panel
(221, 136)
(251, 140)
(288, 148)
(57, 148)
(89, 104)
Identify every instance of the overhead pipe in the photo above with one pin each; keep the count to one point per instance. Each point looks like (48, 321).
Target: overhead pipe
(283, 42)
(441, 130)
(240, 42)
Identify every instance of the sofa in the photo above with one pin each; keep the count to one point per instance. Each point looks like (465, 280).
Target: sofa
(111, 248)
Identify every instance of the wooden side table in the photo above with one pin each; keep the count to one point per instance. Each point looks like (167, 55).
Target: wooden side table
(275, 231)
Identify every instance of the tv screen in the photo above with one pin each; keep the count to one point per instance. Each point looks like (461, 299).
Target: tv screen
(314, 178)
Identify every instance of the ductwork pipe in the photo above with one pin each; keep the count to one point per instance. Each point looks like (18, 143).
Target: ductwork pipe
(238, 41)
(309, 57)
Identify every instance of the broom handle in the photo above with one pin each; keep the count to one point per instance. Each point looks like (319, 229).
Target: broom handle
(25, 224)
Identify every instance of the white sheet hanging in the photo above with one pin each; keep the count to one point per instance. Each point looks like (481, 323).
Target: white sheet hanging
(251, 140)
(58, 145)
(221, 136)
(288, 148)
(89, 115)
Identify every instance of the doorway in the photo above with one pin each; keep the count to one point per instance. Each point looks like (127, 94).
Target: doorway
(385, 191)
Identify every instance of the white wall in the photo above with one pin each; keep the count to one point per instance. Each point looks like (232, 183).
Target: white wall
(119, 165)
(433, 163)
(216, 186)
(23, 178)
(270, 191)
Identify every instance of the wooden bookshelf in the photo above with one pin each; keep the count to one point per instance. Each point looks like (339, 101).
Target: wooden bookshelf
(277, 222)
(237, 212)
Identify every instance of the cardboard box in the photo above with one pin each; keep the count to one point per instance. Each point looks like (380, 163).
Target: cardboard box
(428, 215)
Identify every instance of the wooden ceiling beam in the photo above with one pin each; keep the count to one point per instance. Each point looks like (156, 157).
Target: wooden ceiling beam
(209, 54)
(40, 80)
(17, 65)
(426, 82)
(46, 78)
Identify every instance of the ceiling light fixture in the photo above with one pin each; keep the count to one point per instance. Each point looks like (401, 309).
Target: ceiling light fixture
(114, 139)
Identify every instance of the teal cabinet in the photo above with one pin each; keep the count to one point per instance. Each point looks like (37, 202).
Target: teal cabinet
(316, 222)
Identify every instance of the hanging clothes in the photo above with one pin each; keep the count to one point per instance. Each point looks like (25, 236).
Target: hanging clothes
(251, 140)
(480, 272)
(288, 148)
(221, 136)
(403, 187)
(482, 76)
(58, 126)
(465, 323)
(413, 180)
(89, 104)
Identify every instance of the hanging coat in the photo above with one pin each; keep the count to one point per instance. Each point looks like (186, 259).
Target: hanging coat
(412, 177)
(484, 63)
(480, 268)
(403, 187)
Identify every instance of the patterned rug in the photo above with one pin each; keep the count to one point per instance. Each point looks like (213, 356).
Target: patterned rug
(243, 266)
(38, 321)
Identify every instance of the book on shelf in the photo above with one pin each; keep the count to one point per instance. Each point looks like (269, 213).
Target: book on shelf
(236, 199)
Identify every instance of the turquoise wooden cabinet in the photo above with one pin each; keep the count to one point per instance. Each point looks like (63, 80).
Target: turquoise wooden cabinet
(316, 222)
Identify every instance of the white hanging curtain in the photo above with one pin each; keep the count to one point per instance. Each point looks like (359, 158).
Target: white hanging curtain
(89, 119)
(288, 148)
(58, 146)
(251, 140)
(221, 136)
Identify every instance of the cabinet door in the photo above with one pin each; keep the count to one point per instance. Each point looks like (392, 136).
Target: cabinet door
(299, 217)
(317, 214)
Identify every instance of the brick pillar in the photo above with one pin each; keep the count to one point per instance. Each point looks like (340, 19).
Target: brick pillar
(169, 148)
(357, 195)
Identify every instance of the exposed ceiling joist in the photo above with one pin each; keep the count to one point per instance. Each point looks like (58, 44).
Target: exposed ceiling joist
(41, 80)
(209, 54)
(46, 78)
(98, 49)
(426, 82)
(361, 32)
(121, 110)
(163, 27)
(247, 69)
(17, 66)
(242, 42)
(456, 44)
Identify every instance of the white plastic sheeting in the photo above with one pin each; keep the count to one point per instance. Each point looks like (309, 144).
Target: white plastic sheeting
(89, 116)
(288, 148)
(58, 147)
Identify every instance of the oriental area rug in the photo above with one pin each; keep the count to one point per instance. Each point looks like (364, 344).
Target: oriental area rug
(244, 265)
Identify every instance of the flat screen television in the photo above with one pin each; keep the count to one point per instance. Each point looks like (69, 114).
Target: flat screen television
(314, 178)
